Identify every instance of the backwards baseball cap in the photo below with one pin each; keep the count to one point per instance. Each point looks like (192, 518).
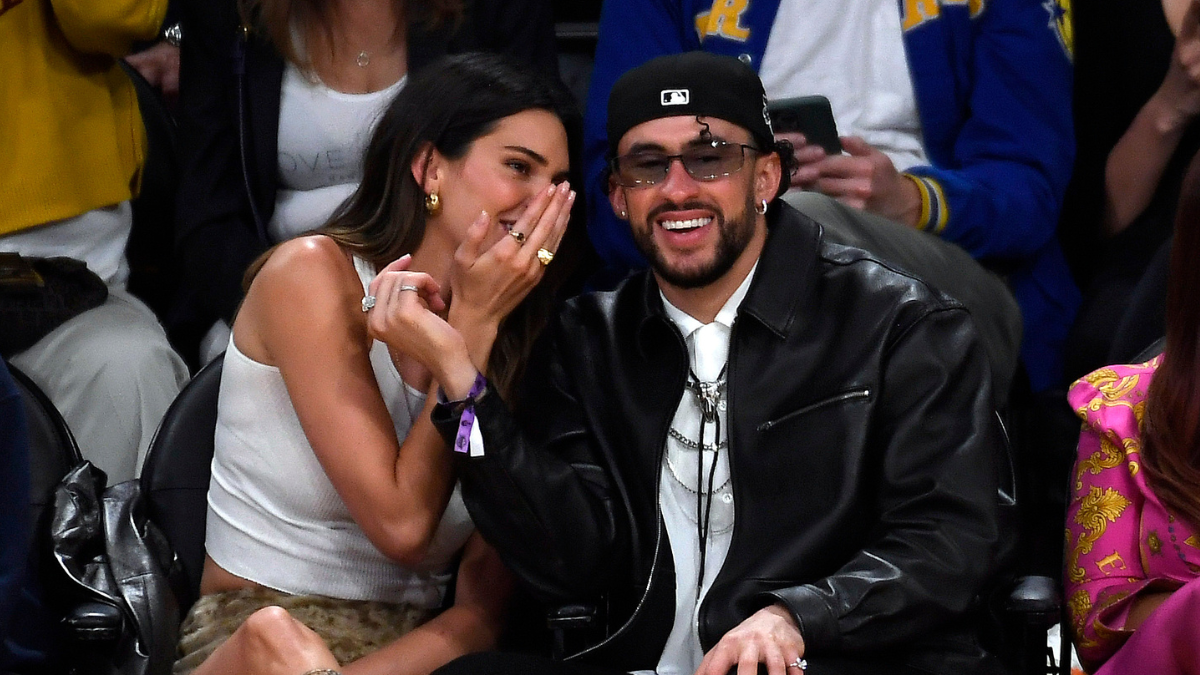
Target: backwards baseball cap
(691, 83)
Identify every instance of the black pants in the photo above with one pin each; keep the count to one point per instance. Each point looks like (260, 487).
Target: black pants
(498, 663)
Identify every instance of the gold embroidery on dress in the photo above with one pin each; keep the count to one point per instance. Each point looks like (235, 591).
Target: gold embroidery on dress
(1112, 388)
(1079, 605)
(1114, 562)
(1107, 457)
(1154, 543)
(1096, 510)
(1192, 541)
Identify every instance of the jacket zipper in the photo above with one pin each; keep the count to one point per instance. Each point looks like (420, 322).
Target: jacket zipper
(837, 398)
(658, 527)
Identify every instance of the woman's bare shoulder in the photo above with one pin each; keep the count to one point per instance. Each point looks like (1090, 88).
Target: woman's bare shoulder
(308, 286)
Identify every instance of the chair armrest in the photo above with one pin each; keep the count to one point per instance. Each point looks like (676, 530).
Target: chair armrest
(568, 619)
(1035, 595)
(94, 624)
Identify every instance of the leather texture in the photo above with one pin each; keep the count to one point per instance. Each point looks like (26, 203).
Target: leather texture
(864, 451)
(111, 553)
(177, 471)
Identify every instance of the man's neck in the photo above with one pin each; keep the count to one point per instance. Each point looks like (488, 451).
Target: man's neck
(704, 302)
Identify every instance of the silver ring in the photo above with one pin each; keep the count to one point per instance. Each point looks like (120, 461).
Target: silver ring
(408, 287)
(368, 302)
(799, 663)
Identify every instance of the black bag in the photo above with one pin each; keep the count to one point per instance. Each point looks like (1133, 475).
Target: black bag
(38, 295)
(111, 554)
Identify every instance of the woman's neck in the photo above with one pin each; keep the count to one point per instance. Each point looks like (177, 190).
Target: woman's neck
(434, 256)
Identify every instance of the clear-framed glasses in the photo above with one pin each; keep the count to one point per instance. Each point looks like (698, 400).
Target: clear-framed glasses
(706, 162)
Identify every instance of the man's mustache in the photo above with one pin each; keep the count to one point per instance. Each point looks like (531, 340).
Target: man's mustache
(685, 206)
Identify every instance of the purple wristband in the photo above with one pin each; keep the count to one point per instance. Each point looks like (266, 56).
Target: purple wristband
(462, 441)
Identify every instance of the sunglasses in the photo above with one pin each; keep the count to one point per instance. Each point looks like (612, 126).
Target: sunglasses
(706, 162)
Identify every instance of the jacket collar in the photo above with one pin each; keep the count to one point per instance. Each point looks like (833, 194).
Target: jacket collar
(785, 277)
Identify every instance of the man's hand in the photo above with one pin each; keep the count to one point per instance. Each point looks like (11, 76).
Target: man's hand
(770, 636)
(866, 179)
(160, 66)
(808, 156)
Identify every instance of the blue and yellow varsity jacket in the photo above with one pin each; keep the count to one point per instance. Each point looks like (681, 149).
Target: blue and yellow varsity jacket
(993, 88)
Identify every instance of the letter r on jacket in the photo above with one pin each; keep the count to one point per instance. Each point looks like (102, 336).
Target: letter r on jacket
(724, 19)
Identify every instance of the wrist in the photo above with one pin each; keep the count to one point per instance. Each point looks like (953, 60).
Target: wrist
(909, 209)
(467, 319)
(457, 376)
(1167, 115)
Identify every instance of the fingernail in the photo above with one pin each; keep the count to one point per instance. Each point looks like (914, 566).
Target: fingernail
(553, 187)
(571, 197)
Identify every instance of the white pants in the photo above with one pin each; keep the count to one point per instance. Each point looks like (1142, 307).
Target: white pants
(110, 371)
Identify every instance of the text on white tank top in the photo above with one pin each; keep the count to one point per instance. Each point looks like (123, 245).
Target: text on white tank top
(323, 136)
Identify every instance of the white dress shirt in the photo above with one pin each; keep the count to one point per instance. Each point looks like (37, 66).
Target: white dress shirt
(708, 349)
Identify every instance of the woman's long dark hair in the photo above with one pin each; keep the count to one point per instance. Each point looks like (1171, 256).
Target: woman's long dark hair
(1171, 449)
(448, 105)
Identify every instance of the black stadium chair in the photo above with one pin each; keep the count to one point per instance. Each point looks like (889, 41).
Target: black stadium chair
(175, 476)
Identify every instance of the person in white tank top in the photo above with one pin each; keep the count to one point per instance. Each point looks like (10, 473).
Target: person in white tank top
(332, 494)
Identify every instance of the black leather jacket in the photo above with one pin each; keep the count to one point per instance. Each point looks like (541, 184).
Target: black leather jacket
(863, 449)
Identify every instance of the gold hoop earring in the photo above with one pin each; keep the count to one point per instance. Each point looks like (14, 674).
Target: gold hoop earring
(433, 203)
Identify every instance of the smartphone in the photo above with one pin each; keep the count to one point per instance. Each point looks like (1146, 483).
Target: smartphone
(17, 273)
(809, 115)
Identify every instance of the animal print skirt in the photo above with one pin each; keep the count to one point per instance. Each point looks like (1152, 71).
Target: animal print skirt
(350, 628)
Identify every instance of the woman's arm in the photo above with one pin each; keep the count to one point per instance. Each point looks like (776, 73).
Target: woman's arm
(1136, 164)
(473, 624)
(302, 315)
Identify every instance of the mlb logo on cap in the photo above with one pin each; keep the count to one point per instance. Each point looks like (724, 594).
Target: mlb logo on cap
(675, 96)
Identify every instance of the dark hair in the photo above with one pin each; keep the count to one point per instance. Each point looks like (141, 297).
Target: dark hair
(278, 18)
(1171, 448)
(449, 104)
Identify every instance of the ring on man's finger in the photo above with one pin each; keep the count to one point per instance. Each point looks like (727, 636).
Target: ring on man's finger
(368, 302)
(544, 256)
(799, 663)
(519, 236)
(407, 287)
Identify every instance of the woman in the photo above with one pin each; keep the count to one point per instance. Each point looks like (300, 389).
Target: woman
(1133, 526)
(269, 139)
(1138, 78)
(328, 479)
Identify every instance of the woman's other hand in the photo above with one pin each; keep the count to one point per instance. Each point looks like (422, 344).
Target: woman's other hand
(486, 285)
(1180, 89)
(405, 317)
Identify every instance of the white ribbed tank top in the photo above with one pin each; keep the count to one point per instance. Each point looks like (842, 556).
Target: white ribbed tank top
(273, 516)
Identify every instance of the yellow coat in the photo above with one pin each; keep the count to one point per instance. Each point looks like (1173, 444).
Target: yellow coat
(71, 136)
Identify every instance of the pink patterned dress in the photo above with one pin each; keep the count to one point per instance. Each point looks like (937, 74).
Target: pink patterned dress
(1121, 541)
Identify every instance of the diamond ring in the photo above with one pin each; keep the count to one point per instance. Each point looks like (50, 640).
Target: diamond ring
(368, 302)
(799, 663)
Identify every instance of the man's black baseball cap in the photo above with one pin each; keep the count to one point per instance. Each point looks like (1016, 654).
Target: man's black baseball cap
(691, 83)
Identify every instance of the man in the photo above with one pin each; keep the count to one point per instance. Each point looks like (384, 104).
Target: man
(955, 116)
(767, 449)
(72, 148)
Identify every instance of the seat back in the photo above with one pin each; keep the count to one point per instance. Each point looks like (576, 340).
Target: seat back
(52, 453)
(175, 476)
(52, 448)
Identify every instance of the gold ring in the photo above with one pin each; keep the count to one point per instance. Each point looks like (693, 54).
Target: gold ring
(545, 256)
(519, 236)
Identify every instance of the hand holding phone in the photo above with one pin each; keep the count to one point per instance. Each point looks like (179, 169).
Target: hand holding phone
(808, 115)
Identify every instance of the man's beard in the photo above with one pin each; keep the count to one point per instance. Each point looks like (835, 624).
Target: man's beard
(734, 235)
